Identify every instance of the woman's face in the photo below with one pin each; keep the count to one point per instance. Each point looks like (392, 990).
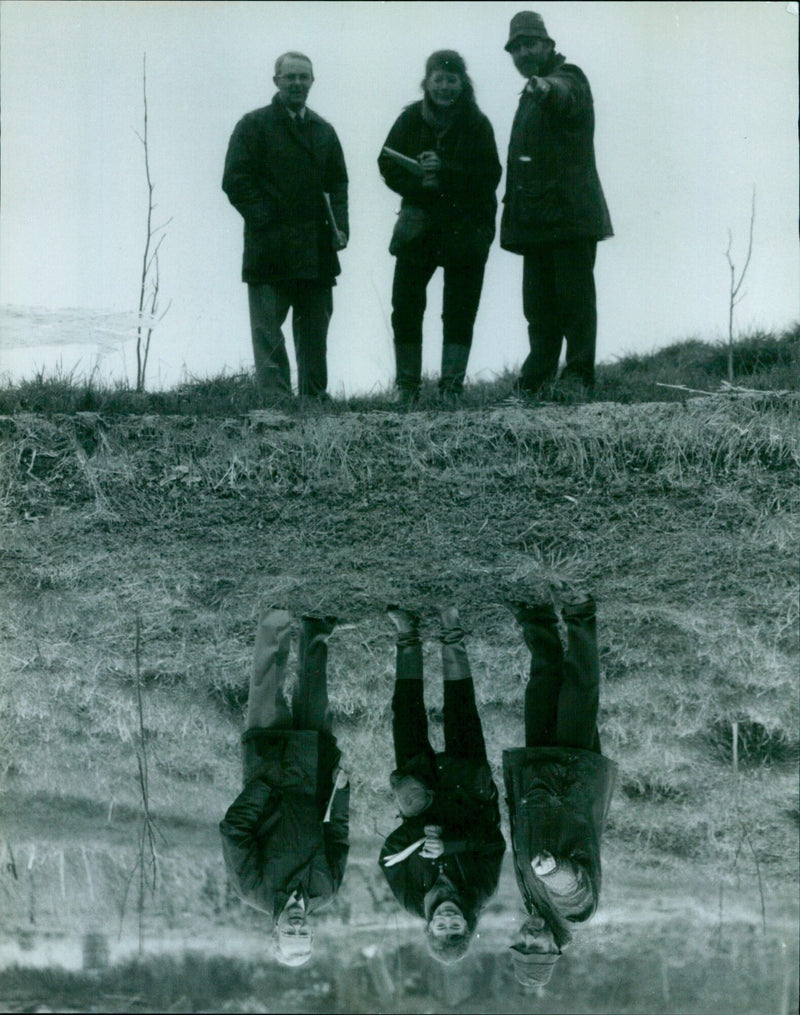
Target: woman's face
(447, 919)
(444, 88)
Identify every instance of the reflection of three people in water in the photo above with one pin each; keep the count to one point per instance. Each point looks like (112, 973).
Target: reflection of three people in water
(285, 838)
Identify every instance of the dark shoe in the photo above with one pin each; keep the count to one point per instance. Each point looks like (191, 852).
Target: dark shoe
(582, 606)
(405, 621)
(276, 400)
(519, 394)
(319, 618)
(571, 389)
(317, 401)
(316, 627)
(407, 397)
(571, 594)
(535, 609)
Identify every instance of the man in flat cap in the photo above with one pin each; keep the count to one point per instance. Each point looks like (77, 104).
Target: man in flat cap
(554, 210)
(558, 786)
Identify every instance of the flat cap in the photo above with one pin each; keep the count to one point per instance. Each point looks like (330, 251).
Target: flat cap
(526, 23)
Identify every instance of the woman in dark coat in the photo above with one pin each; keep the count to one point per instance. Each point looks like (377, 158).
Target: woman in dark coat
(447, 217)
(443, 861)
(285, 837)
(558, 787)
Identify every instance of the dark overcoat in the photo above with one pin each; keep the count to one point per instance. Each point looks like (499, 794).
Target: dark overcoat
(463, 209)
(553, 191)
(273, 837)
(465, 805)
(276, 172)
(558, 800)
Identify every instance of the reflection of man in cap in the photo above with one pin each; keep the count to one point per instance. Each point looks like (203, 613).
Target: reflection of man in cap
(554, 209)
(558, 787)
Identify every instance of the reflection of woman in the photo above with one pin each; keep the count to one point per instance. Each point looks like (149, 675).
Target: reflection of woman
(447, 217)
(285, 837)
(443, 862)
(558, 787)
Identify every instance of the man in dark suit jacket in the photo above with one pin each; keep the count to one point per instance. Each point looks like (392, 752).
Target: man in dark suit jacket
(285, 174)
(285, 838)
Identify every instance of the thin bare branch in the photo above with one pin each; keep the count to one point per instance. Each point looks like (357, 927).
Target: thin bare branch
(749, 244)
(734, 297)
(148, 285)
(157, 229)
(154, 255)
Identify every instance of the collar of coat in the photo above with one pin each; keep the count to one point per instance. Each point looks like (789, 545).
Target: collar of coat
(438, 122)
(309, 116)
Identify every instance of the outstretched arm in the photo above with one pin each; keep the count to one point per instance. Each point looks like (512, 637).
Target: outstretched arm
(564, 93)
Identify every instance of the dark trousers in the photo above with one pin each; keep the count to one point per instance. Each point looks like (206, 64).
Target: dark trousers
(266, 705)
(462, 295)
(563, 691)
(559, 302)
(312, 306)
(463, 736)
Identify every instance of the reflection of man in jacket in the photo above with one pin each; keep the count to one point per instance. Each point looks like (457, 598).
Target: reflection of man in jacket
(285, 174)
(285, 837)
(558, 787)
(443, 862)
(555, 211)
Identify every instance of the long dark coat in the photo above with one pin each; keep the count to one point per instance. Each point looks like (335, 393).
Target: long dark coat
(464, 209)
(276, 172)
(273, 837)
(466, 806)
(553, 191)
(558, 800)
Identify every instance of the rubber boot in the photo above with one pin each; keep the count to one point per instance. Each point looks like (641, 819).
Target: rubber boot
(455, 664)
(454, 367)
(408, 363)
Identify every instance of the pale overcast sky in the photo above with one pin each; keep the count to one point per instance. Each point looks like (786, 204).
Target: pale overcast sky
(696, 103)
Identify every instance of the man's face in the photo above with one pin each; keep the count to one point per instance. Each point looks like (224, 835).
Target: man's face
(530, 54)
(447, 921)
(535, 936)
(293, 82)
(294, 935)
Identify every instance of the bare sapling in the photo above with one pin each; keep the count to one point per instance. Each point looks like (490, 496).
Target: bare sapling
(150, 280)
(735, 295)
(146, 864)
